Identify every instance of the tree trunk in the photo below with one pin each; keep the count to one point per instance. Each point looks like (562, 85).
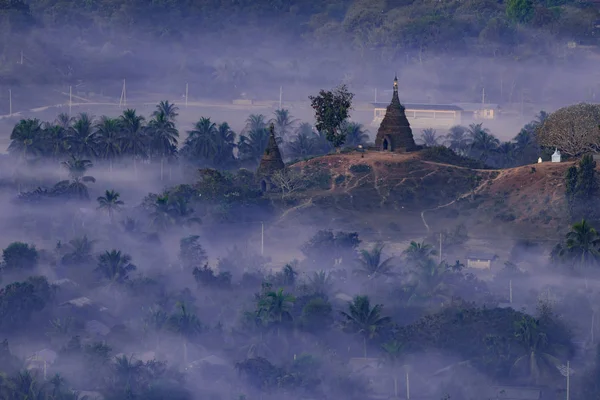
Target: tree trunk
(135, 166)
(162, 168)
(170, 173)
(110, 169)
(365, 346)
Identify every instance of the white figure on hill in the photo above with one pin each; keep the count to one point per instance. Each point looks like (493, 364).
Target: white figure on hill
(540, 160)
(556, 157)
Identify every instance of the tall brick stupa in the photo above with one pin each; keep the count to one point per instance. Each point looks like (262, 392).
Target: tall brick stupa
(271, 161)
(394, 133)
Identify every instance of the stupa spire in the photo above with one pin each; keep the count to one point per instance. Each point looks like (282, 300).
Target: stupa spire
(395, 98)
(394, 133)
(271, 160)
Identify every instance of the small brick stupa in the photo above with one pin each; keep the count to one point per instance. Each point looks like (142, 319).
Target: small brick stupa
(270, 163)
(394, 133)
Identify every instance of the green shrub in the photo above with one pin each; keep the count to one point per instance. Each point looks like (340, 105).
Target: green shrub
(340, 179)
(360, 169)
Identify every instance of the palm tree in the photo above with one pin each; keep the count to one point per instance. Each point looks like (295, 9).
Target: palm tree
(163, 137)
(168, 110)
(82, 137)
(392, 352)
(201, 142)
(77, 169)
(582, 245)
(283, 121)
(161, 215)
(225, 144)
(320, 283)
(418, 252)
(507, 151)
(64, 120)
(430, 277)
(255, 122)
(126, 371)
(372, 264)
(276, 306)
(80, 251)
(186, 324)
(304, 143)
(108, 139)
(156, 320)
(55, 141)
(458, 140)
(110, 203)
(135, 140)
(364, 320)
(483, 141)
(355, 134)
(429, 137)
(537, 357)
(252, 146)
(26, 139)
(115, 266)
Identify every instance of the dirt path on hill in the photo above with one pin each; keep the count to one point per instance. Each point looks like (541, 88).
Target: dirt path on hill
(458, 167)
(462, 196)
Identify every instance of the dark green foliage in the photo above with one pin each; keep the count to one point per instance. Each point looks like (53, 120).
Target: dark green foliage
(443, 154)
(331, 110)
(260, 372)
(191, 252)
(20, 300)
(115, 266)
(488, 337)
(581, 188)
(520, 10)
(19, 256)
(316, 315)
(340, 179)
(302, 375)
(317, 177)
(360, 169)
(571, 179)
(206, 276)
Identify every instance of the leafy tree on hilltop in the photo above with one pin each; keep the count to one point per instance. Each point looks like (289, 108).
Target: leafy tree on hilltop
(331, 110)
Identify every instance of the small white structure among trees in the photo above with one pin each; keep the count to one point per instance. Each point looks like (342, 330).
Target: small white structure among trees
(556, 157)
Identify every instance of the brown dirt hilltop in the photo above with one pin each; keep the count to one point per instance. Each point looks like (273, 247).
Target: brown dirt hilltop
(412, 194)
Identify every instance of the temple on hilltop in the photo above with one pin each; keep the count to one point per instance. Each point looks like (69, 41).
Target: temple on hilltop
(270, 162)
(394, 133)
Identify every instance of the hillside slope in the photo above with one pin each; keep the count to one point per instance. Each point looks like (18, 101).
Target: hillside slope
(411, 194)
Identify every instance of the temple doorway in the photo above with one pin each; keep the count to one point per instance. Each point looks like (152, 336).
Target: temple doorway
(386, 145)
